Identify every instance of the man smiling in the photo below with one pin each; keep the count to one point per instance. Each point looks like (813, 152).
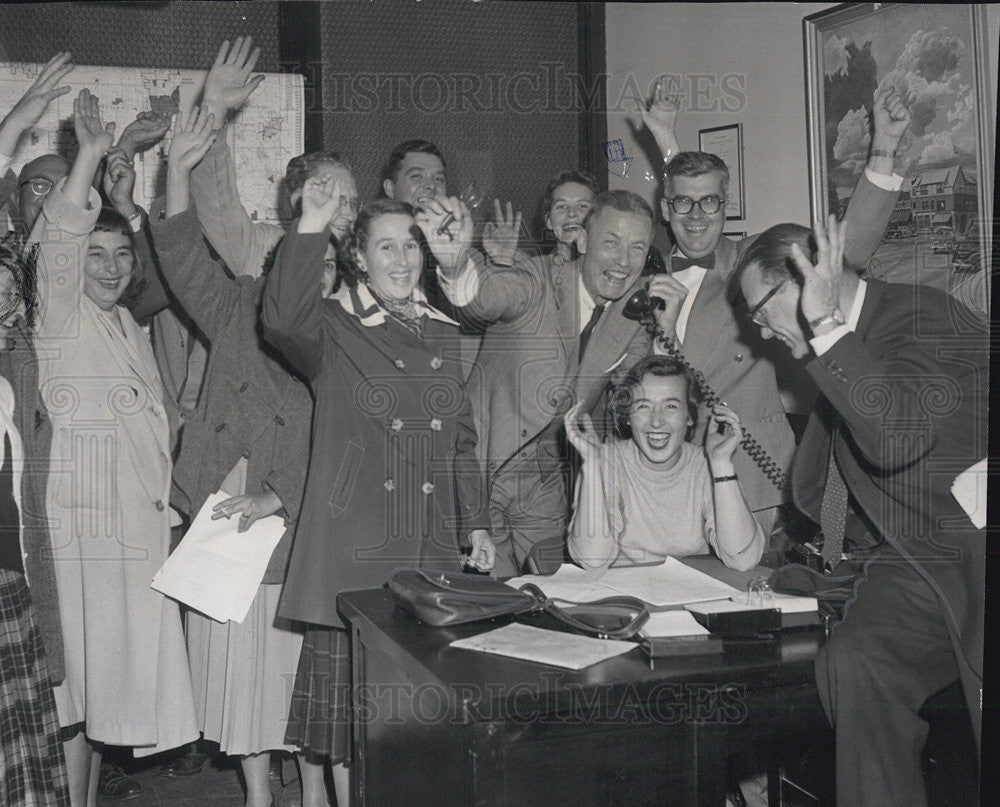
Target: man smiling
(553, 339)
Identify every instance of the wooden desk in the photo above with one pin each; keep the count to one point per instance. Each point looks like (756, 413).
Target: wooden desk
(439, 726)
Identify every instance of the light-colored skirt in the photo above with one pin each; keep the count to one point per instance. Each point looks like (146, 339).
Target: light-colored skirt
(243, 675)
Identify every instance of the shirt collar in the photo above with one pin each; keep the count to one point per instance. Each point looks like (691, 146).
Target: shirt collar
(587, 304)
(859, 301)
(358, 301)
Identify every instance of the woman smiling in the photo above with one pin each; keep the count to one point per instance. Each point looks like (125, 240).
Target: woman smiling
(656, 494)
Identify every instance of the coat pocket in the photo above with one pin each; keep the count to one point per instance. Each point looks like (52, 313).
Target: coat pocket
(347, 475)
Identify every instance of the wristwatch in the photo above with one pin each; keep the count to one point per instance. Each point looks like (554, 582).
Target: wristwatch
(834, 317)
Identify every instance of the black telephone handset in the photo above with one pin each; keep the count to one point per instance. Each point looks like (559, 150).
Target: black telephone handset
(642, 308)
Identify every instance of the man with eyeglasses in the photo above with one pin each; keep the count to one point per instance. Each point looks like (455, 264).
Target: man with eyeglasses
(707, 328)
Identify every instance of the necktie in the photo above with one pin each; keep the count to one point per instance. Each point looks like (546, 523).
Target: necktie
(678, 263)
(833, 510)
(589, 327)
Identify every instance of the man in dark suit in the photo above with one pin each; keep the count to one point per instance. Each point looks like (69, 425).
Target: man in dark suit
(709, 332)
(554, 337)
(902, 372)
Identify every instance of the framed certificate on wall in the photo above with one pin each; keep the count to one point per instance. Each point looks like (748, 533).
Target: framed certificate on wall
(726, 142)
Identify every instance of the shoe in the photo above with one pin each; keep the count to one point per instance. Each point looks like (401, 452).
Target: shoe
(185, 765)
(274, 772)
(116, 785)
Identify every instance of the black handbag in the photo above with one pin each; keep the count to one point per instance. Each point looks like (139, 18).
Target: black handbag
(445, 598)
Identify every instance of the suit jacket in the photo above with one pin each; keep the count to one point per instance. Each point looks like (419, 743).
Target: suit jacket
(529, 371)
(910, 387)
(736, 361)
(20, 367)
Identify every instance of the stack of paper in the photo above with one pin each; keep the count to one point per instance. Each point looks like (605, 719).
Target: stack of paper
(544, 646)
(663, 624)
(662, 584)
(786, 603)
(217, 570)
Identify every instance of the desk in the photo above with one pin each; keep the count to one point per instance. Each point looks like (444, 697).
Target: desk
(439, 726)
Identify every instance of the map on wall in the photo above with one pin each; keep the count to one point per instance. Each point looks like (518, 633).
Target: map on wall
(263, 136)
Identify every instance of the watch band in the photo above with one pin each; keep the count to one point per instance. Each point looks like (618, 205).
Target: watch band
(882, 153)
(835, 317)
(730, 478)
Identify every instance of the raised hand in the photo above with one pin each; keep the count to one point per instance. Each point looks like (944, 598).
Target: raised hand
(94, 137)
(720, 448)
(500, 236)
(194, 137)
(119, 181)
(822, 280)
(673, 293)
(660, 114)
(32, 105)
(249, 506)
(447, 226)
(891, 118)
(146, 130)
(580, 433)
(322, 199)
(228, 84)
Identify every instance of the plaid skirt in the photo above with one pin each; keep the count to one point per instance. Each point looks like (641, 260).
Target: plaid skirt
(32, 766)
(319, 720)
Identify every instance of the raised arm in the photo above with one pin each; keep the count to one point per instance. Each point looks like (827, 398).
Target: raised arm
(291, 310)
(732, 532)
(872, 204)
(32, 105)
(660, 117)
(242, 243)
(485, 293)
(209, 296)
(596, 527)
(68, 216)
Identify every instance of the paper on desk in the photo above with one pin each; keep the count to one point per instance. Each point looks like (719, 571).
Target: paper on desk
(673, 623)
(552, 647)
(667, 583)
(786, 603)
(969, 490)
(570, 583)
(217, 570)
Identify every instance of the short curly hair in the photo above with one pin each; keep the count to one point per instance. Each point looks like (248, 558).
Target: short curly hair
(110, 220)
(347, 261)
(25, 279)
(623, 393)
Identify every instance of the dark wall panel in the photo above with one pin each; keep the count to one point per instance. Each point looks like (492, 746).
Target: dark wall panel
(182, 34)
(491, 83)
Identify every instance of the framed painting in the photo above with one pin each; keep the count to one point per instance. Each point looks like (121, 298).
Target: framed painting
(935, 55)
(726, 142)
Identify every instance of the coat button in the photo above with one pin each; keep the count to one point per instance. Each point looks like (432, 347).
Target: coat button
(435, 425)
(246, 453)
(436, 363)
(244, 385)
(428, 488)
(220, 427)
(279, 420)
(524, 432)
(159, 505)
(396, 425)
(11, 343)
(553, 402)
(400, 364)
(389, 485)
(738, 357)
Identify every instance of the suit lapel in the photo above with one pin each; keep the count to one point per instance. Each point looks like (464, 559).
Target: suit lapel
(700, 336)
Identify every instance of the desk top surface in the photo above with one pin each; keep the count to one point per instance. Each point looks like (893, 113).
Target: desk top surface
(423, 652)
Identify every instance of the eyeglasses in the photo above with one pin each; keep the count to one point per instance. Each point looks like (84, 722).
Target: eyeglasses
(709, 205)
(40, 186)
(758, 316)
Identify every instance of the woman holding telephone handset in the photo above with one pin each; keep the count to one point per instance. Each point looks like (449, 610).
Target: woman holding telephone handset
(655, 493)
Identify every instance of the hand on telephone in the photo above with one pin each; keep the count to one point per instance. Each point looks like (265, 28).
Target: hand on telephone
(673, 293)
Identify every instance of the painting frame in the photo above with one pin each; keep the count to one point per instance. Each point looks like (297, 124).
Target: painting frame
(944, 241)
(726, 142)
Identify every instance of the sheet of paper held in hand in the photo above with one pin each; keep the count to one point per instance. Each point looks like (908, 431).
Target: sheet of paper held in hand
(544, 646)
(664, 584)
(217, 570)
